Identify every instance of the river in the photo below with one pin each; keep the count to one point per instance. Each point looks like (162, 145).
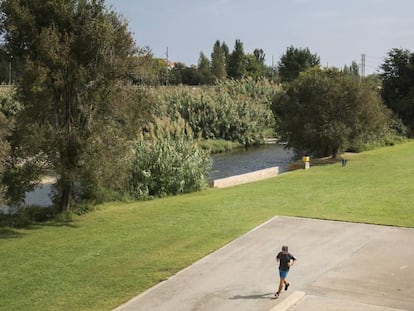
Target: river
(249, 160)
(224, 165)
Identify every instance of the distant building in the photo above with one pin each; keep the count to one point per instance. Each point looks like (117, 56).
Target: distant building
(170, 64)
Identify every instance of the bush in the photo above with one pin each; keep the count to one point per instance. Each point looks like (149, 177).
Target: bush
(167, 162)
(9, 106)
(394, 132)
(39, 214)
(232, 110)
(324, 112)
(218, 145)
(24, 217)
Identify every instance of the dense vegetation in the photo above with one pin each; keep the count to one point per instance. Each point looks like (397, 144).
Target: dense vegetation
(167, 157)
(325, 112)
(74, 56)
(295, 61)
(398, 85)
(101, 115)
(167, 161)
(222, 65)
(231, 110)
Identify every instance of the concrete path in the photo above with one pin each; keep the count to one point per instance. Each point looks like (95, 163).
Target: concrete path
(341, 266)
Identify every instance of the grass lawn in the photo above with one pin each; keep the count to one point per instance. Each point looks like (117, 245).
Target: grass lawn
(100, 260)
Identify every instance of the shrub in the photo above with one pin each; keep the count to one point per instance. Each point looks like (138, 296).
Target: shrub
(167, 162)
(39, 214)
(393, 132)
(9, 106)
(232, 110)
(26, 216)
(324, 112)
(218, 145)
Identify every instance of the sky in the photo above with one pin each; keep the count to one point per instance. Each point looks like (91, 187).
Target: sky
(338, 31)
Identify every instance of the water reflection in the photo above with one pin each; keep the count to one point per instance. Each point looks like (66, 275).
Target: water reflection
(249, 160)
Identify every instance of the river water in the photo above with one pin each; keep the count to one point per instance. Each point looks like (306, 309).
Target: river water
(224, 165)
(249, 160)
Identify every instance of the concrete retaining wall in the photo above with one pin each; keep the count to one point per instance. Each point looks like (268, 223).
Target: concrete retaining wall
(246, 178)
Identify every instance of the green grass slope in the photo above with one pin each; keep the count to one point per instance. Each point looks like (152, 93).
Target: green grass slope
(100, 260)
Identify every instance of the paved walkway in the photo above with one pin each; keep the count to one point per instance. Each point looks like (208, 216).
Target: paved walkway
(341, 266)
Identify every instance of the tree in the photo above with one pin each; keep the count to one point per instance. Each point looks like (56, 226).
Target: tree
(218, 61)
(148, 70)
(9, 108)
(4, 132)
(398, 85)
(255, 65)
(352, 70)
(294, 61)
(5, 66)
(324, 112)
(10, 68)
(253, 68)
(271, 73)
(260, 56)
(176, 73)
(204, 69)
(77, 116)
(5, 129)
(237, 62)
(181, 74)
(226, 52)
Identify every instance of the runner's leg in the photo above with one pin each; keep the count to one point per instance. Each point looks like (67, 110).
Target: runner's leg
(282, 281)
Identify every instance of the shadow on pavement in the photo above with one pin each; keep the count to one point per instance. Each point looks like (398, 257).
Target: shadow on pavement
(263, 296)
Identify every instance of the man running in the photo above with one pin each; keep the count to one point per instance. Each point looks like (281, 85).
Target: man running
(286, 260)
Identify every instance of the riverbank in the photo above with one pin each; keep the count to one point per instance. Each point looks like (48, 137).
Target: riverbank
(235, 161)
(214, 146)
(100, 260)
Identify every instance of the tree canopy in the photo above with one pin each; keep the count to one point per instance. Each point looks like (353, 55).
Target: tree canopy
(255, 64)
(353, 69)
(204, 69)
(75, 55)
(323, 112)
(236, 67)
(218, 61)
(398, 85)
(222, 65)
(294, 61)
(5, 127)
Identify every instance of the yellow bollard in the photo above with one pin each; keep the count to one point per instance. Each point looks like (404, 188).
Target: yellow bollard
(306, 161)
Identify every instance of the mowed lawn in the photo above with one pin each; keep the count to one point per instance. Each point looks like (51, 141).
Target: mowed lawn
(101, 260)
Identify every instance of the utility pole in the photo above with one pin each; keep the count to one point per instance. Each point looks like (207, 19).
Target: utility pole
(362, 65)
